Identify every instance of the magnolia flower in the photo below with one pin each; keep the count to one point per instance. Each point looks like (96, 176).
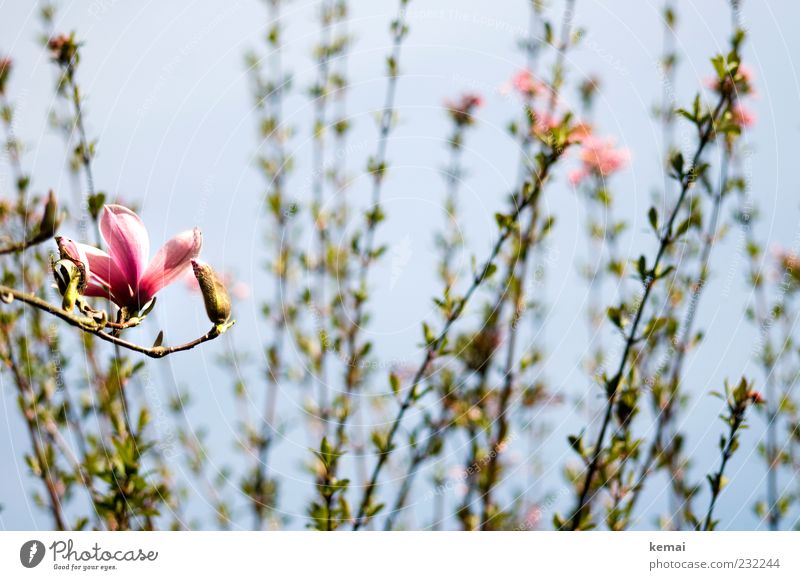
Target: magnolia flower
(123, 275)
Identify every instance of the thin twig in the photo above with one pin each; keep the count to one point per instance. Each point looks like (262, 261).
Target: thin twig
(434, 346)
(665, 416)
(27, 394)
(89, 326)
(665, 240)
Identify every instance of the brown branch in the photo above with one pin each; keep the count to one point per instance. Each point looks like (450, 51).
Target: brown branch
(90, 326)
(17, 247)
(656, 448)
(665, 241)
(37, 442)
(433, 348)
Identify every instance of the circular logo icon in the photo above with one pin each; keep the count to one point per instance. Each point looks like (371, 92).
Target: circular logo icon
(31, 553)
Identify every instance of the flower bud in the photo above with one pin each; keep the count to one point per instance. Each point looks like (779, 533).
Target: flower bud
(756, 397)
(215, 295)
(68, 252)
(68, 277)
(50, 219)
(63, 49)
(5, 72)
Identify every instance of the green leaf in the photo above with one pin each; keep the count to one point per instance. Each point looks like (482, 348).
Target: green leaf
(427, 333)
(641, 267)
(652, 217)
(394, 382)
(676, 161)
(95, 203)
(503, 221)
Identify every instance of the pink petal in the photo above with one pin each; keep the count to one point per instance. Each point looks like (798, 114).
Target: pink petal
(127, 241)
(105, 279)
(170, 263)
(575, 176)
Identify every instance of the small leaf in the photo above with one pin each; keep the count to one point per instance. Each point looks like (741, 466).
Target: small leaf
(652, 217)
(394, 382)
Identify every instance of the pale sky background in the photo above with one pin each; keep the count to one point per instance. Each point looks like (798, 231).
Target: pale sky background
(169, 101)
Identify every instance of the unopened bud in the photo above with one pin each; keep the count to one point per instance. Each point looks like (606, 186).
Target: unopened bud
(63, 49)
(50, 219)
(68, 277)
(5, 72)
(75, 263)
(215, 295)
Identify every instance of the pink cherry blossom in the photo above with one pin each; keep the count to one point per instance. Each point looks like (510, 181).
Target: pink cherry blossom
(463, 109)
(787, 264)
(241, 290)
(238, 289)
(743, 116)
(580, 132)
(533, 516)
(543, 122)
(744, 82)
(577, 175)
(601, 157)
(746, 72)
(523, 83)
(124, 275)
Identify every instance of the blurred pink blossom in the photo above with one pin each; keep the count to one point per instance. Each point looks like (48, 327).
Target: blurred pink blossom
(743, 116)
(599, 157)
(463, 109)
(577, 175)
(524, 83)
(238, 289)
(744, 82)
(787, 263)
